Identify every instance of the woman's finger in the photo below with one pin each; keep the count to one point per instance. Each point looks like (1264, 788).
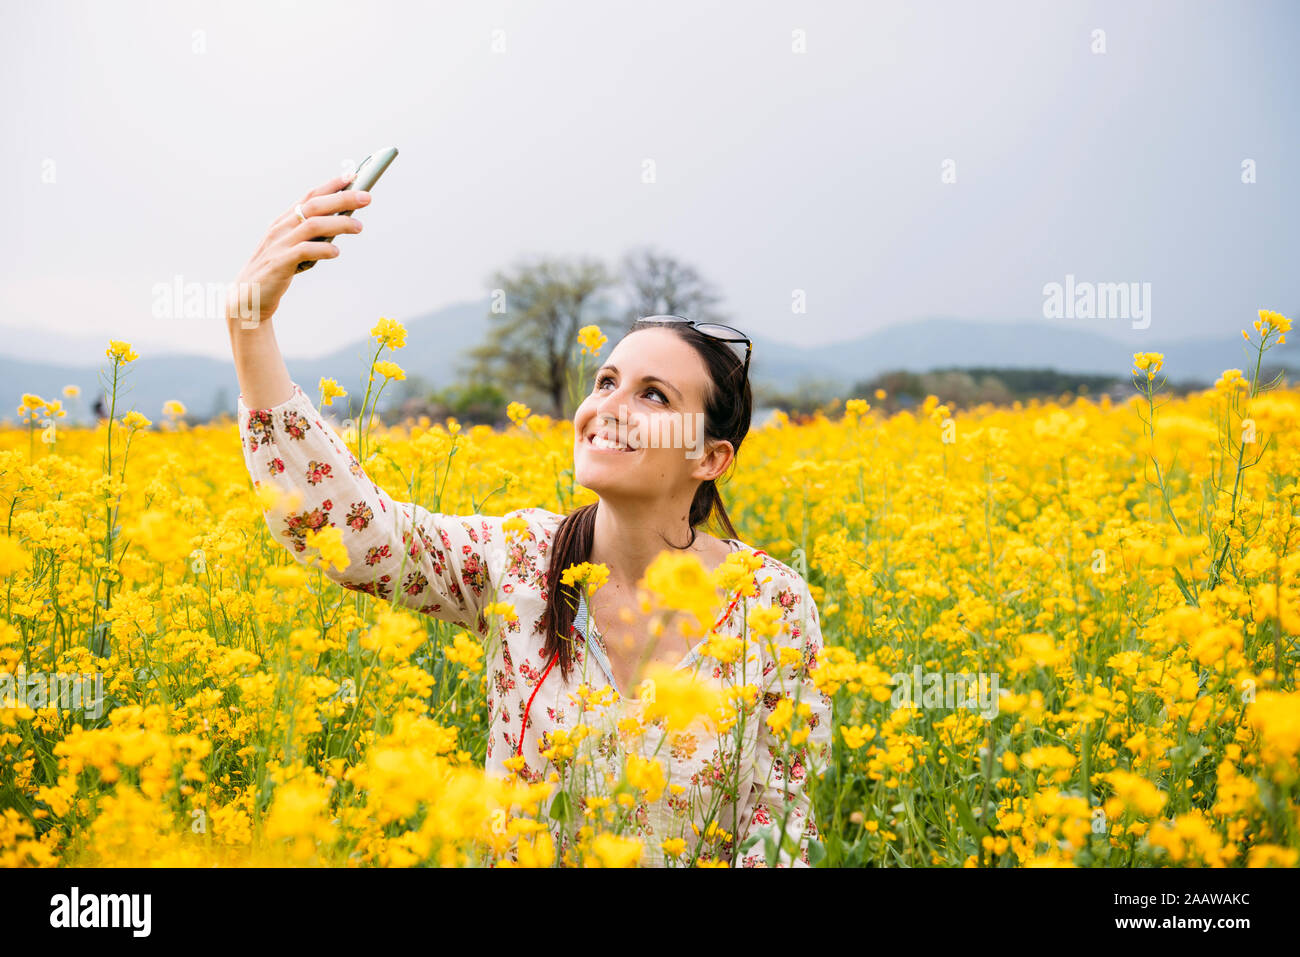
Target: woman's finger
(310, 252)
(329, 186)
(324, 205)
(324, 226)
(342, 202)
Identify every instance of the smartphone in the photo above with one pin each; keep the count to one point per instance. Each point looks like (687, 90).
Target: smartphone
(368, 172)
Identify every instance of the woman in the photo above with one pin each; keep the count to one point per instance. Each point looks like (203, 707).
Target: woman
(655, 475)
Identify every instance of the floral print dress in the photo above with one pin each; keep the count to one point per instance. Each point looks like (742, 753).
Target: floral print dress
(719, 788)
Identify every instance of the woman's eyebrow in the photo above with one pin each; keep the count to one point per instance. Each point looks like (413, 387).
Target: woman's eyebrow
(646, 378)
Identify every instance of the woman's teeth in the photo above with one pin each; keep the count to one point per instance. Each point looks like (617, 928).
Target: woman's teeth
(603, 443)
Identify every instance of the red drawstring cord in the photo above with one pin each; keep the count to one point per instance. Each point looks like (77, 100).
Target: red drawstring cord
(524, 727)
(528, 707)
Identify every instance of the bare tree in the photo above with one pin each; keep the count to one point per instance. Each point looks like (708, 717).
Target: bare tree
(657, 284)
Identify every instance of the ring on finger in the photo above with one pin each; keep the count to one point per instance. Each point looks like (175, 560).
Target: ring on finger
(298, 209)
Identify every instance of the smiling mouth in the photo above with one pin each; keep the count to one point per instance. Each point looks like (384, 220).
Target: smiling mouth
(601, 444)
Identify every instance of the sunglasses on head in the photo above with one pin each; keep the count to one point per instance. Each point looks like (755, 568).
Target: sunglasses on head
(714, 330)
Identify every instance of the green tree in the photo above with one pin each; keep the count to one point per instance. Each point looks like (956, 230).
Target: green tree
(537, 310)
(473, 403)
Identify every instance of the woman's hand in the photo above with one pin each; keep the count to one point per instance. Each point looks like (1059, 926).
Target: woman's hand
(288, 242)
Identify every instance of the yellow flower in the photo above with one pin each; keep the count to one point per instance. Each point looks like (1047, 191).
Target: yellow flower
(300, 815)
(680, 582)
(765, 621)
(856, 737)
(646, 774)
(591, 339)
(1148, 362)
(673, 847)
(609, 850)
(330, 390)
(271, 498)
(1273, 321)
(390, 333)
(136, 420)
(502, 608)
(679, 697)
(71, 391)
(329, 542)
(722, 648)
(395, 635)
(120, 351)
(585, 573)
(540, 852)
(880, 395)
(173, 408)
(735, 576)
(780, 717)
(13, 557)
(1134, 792)
(1231, 379)
(390, 370)
(1272, 855)
(1275, 717)
(466, 652)
(517, 412)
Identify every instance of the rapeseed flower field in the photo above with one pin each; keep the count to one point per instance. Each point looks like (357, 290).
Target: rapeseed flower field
(1111, 587)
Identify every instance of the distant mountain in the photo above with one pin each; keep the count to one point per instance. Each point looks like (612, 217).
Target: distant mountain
(437, 341)
(926, 344)
(207, 387)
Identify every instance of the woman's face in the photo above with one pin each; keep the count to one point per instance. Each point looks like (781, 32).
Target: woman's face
(648, 397)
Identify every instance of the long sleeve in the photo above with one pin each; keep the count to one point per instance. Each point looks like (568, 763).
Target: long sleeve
(445, 566)
(775, 781)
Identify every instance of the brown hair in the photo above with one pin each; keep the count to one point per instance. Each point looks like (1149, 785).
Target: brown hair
(727, 411)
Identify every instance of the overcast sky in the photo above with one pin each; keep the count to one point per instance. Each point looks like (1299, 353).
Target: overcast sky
(145, 141)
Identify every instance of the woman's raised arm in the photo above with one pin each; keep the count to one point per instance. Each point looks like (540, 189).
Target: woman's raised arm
(398, 551)
(256, 293)
(446, 566)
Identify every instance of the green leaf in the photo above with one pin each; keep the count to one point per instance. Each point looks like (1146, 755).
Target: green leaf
(816, 852)
(966, 818)
(560, 807)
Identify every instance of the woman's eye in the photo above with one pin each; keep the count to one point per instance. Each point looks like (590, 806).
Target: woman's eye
(603, 379)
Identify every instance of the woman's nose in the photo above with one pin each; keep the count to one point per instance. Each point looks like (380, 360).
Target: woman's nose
(612, 407)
